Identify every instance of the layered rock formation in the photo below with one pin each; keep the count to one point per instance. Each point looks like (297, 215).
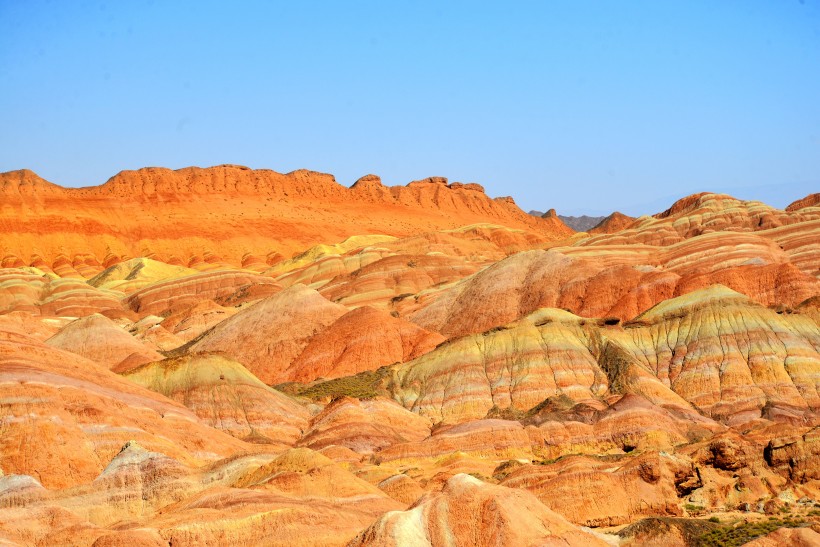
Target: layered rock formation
(428, 366)
(298, 335)
(623, 281)
(469, 512)
(98, 338)
(30, 290)
(224, 395)
(64, 417)
(613, 223)
(712, 349)
(706, 213)
(199, 216)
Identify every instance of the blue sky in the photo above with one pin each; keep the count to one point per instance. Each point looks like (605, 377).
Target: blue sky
(586, 107)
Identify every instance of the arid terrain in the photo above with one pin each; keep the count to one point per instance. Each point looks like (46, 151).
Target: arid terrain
(227, 356)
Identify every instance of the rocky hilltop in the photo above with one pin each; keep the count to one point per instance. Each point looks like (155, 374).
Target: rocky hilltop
(226, 356)
(227, 214)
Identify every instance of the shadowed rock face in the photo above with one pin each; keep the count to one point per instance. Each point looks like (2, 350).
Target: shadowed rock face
(582, 223)
(444, 371)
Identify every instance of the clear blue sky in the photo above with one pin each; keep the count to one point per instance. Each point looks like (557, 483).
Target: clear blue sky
(582, 106)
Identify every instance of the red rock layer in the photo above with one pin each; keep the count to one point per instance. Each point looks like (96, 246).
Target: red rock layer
(613, 223)
(224, 287)
(199, 215)
(99, 339)
(363, 339)
(623, 281)
(65, 417)
(298, 335)
(812, 200)
(31, 292)
(269, 335)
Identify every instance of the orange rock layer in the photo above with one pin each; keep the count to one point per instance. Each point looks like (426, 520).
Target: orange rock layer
(195, 217)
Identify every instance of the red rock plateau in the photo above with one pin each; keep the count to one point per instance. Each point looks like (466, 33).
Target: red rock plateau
(225, 356)
(199, 217)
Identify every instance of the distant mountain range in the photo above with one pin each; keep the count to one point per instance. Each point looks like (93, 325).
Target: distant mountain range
(580, 224)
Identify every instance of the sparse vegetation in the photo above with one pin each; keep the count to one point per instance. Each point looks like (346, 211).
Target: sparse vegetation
(508, 413)
(647, 530)
(734, 535)
(365, 385)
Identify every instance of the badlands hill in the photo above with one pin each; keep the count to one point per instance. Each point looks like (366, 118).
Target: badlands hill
(228, 213)
(232, 357)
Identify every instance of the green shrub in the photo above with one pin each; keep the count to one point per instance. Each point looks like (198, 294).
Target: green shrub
(365, 385)
(733, 536)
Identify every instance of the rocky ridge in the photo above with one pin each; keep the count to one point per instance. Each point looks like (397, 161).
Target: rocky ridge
(465, 376)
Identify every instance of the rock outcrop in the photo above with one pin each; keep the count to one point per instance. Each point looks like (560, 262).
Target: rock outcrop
(712, 349)
(197, 216)
(226, 396)
(470, 512)
(98, 338)
(233, 357)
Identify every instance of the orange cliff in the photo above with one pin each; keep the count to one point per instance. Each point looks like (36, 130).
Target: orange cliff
(227, 213)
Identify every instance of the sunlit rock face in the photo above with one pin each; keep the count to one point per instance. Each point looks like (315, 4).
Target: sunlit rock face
(712, 350)
(64, 417)
(97, 337)
(225, 396)
(225, 287)
(267, 336)
(33, 291)
(621, 281)
(227, 214)
(241, 357)
(470, 512)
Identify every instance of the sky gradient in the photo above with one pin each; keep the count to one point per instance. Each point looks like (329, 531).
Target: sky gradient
(587, 107)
